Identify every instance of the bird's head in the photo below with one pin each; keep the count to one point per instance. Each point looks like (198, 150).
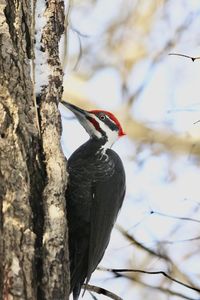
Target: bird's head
(99, 124)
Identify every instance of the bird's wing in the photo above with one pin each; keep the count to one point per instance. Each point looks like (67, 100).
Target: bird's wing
(78, 210)
(108, 196)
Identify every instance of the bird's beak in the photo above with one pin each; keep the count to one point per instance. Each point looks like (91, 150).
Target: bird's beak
(79, 113)
(82, 116)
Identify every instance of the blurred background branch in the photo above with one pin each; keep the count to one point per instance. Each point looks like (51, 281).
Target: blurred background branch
(117, 59)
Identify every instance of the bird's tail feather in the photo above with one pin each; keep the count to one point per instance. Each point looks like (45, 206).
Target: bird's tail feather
(76, 292)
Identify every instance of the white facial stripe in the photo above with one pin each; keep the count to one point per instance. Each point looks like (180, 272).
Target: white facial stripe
(111, 134)
(93, 130)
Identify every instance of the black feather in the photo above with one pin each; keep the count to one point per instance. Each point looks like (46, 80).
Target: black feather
(94, 197)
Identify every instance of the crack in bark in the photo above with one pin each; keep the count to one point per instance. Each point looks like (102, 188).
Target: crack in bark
(33, 245)
(9, 12)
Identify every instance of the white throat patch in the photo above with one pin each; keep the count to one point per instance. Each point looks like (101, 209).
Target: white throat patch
(112, 138)
(112, 135)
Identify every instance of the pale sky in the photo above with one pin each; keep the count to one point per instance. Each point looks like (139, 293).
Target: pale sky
(166, 184)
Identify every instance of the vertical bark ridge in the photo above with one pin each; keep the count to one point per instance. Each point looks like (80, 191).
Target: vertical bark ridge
(18, 156)
(33, 229)
(55, 247)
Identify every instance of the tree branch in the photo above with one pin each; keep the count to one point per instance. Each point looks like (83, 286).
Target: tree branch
(116, 271)
(193, 58)
(100, 290)
(161, 289)
(175, 217)
(153, 252)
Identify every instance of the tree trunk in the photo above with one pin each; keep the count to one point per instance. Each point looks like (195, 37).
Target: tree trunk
(33, 230)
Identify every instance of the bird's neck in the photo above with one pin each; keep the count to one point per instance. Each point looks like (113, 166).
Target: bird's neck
(101, 145)
(107, 140)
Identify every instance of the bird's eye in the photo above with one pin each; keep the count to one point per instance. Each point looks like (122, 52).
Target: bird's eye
(102, 117)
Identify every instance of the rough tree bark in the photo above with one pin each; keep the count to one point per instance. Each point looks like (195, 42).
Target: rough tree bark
(33, 230)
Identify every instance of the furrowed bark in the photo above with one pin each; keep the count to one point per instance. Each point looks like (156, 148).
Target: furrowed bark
(33, 177)
(55, 254)
(19, 156)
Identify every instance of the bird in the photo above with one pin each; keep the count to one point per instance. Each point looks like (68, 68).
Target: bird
(94, 195)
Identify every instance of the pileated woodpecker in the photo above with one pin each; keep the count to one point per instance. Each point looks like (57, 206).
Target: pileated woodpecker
(95, 193)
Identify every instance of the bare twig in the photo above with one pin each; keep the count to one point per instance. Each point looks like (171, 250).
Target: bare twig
(193, 58)
(175, 217)
(93, 296)
(80, 51)
(161, 54)
(157, 254)
(140, 245)
(79, 33)
(102, 291)
(66, 33)
(178, 241)
(116, 271)
(157, 288)
(161, 289)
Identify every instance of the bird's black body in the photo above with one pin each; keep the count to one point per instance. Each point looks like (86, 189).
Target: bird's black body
(94, 196)
(95, 193)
